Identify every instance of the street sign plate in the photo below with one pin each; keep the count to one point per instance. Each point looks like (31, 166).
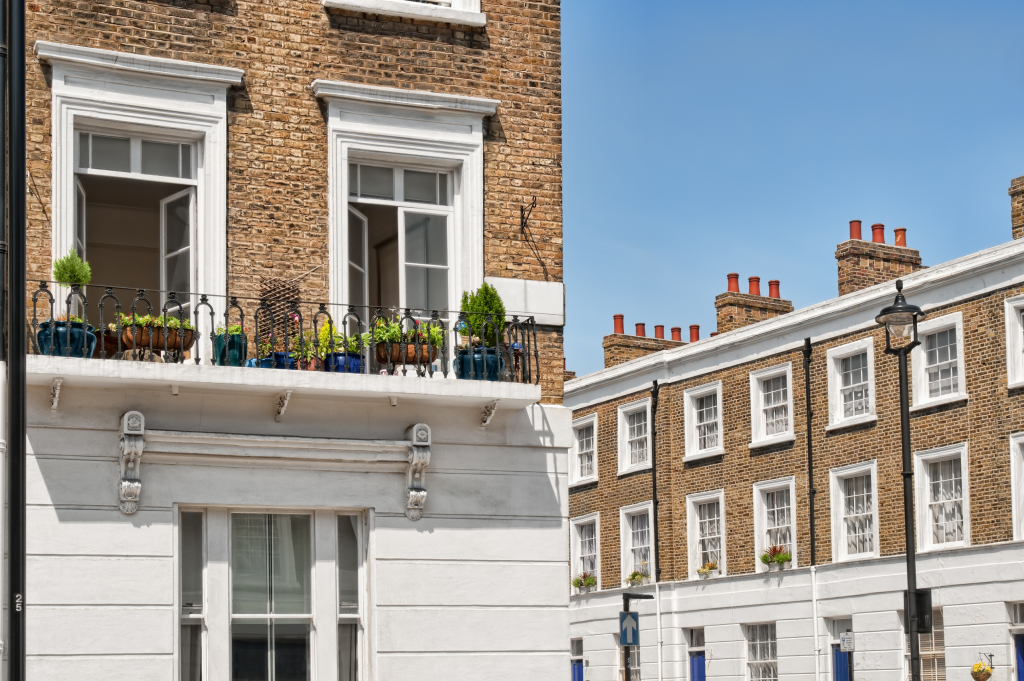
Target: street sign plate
(846, 642)
(629, 629)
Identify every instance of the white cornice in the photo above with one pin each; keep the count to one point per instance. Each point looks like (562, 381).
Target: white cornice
(417, 99)
(411, 10)
(139, 63)
(937, 286)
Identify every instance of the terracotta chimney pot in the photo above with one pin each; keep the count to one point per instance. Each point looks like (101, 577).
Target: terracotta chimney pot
(878, 233)
(694, 333)
(677, 333)
(619, 324)
(773, 289)
(855, 229)
(659, 331)
(641, 329)
(755, 286)
(714, 333)
(734, 282)
(901, 236)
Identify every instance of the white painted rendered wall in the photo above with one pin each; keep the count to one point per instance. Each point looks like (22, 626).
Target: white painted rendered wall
(972, 586)
(483, 576)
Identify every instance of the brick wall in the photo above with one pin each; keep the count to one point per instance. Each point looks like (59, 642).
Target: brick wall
(736, 310)
(619, 348)
(1017, 207)
(277, 156)
(983, 422)
(866, 263)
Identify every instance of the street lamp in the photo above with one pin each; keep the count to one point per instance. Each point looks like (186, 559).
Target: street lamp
(900, 320)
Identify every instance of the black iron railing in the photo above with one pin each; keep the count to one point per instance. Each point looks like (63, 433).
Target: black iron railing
(162, 326)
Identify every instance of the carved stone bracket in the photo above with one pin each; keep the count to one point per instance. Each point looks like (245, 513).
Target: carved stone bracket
(55, 392)
(282, 404)
(416, 471)
(132, 442)
(488, 413)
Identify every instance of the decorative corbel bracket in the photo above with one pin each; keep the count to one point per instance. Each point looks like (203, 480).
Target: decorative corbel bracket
(488, 413)
(415, 473)
(132, 442)
(55, 392)
(282, 404)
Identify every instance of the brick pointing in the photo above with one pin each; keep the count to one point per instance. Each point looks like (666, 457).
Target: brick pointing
(619, 348)
(1017, 207)
(865, 263)
(736, 310)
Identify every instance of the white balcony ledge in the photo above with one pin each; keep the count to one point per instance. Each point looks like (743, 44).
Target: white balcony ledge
(411, 10)
(436, 391)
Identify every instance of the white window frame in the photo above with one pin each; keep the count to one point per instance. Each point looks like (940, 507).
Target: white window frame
(625, 539)
(178, 606)
(922, 494)
(574, 524)
(1013, 308)
(98, 90)
(693, 529)
(457, 12)
(837, 478)
(574, 466)
(761, 517)
(747, 641)
(757, 429)
(413, 129)
(834, 358)
(1017, 483)
(622, 436)
(919, 361)
(692, 439)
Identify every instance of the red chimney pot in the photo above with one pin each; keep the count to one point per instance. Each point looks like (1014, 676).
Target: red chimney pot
(694, 333)
(773, 288)
(734, 282)
(755, 286)
(659, 331)
(619, 325)
(714, 333)
(677, 333)
(855, 229)
(878, 233)
(641, 329)
(901, 236)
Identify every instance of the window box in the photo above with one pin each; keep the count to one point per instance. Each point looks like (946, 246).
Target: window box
(636, 544)
(943, 498)
(771, 406)
(937, 363)
(774, 519)
(705, 529)
(851, 384)
(704, 434)
(583, 466)
(855, 511)
(634, 436)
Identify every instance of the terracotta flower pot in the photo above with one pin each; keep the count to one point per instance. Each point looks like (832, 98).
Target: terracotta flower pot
(179, 339)
(428, 353)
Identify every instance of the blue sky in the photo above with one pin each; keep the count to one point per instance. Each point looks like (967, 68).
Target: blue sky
(702, 138)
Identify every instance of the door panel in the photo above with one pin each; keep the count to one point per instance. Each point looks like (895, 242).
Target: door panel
(840, 665)
(697, 667)
(577, 670)
(1019, 641)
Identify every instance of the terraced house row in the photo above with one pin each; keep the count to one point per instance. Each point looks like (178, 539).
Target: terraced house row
(751, 480)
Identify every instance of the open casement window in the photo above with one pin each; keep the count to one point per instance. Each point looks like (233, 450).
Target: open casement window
(349, 628)
(80, 219)
(937, 363)
(771, 406)
(358, 275)
(933, 650)
(191, 595)
(762, 652)
(177, 221)
(271, 596)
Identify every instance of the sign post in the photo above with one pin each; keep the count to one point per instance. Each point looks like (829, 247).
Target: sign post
(629, 628)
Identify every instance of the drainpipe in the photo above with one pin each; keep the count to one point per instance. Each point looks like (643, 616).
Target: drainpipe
(812, 493)
(655, 390)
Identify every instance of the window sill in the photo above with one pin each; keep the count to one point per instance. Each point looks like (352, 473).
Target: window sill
(850, 422)
(1014, 384)
(939, 548)
(775, 440)
(706, 454)
(411, 10)
(634, 469)
(939, 401)
(583, 481)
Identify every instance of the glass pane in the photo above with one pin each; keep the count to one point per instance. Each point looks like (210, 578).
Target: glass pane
(83, 150)
(191, 652)
(348, 565)
(356, 226)
(426, 288)
(377, 183)
(177, 273)
(250, 583)
(420, 187)
(176, 224)
(80, 222)
(111, 153)
(250, 650)
(160, 158)
(426, 239)
(186, 161)
(347, 652)
(356, 288)
(191, 560)
(353, 179)
(291, 650)
(292, 564)
(442, 189)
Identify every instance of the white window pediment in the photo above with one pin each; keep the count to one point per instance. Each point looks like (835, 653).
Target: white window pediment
(459, 12)
(427, 131)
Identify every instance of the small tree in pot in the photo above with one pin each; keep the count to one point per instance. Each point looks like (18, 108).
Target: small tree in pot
(485, 316)
(56, 335)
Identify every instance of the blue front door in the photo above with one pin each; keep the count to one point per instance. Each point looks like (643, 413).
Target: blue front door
(577, 670)
(840, 665)
(697, 666)
(1019, 640)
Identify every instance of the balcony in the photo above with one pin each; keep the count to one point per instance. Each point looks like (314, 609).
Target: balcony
(139, 337)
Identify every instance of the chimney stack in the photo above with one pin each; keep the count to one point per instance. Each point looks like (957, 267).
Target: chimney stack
(659, 331)
(737, 309)
(619, 348)
(863, 264)
(1017, 207)
(677, 333)
(694, 333)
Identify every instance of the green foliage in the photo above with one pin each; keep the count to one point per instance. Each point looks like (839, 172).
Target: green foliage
(390, 331)
(156, 321)
(233, 330)
(707, 568)
(585, 580)
(480, 303)
(71, 269)
(64, 318)
(776, 554)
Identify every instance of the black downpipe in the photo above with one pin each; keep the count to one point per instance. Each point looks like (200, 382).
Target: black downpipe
(16, 338)
(654, 478)
(810, 443)
(3, 176)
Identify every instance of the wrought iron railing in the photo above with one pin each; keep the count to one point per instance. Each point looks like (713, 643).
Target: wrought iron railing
(280, 334)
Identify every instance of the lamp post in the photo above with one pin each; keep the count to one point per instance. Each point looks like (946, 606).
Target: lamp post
(900, 320)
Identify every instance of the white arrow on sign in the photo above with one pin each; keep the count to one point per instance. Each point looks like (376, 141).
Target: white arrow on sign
(629, 626)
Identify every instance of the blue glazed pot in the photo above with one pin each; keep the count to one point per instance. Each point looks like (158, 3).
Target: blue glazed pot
(343, 362)
(283, 362)
(463, 363)
(81, 338)
(230, 350)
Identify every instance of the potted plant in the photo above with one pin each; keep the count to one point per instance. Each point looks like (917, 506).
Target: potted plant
(230, 346)
(342, 353)
(388, 336)
(981, 671)
(70, 269)
(709, 569)
(271, 355)
(485, 317)
(639, 577)
(179, 333)
(584, 582)
(776, 557)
